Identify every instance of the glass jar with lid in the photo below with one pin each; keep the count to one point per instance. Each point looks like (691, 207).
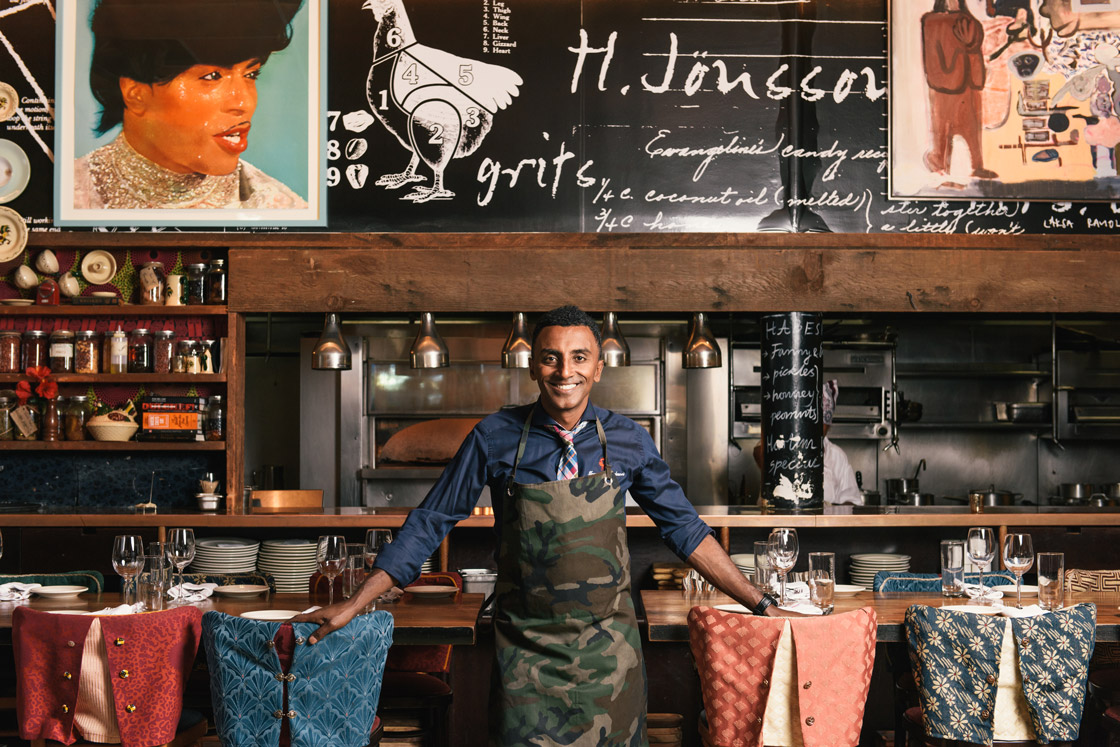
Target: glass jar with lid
(75, 414)
(151, 283)
(195, 285)
(216, 282)
(27, 419)
(186, 357)
(34, 349)
(216, 419)
(10, 351)
(163, 350)
(87, 353)
(62, 351)
(7, 428)
(140, 351)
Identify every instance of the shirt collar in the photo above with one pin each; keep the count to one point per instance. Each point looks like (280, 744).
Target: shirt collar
(543, 419)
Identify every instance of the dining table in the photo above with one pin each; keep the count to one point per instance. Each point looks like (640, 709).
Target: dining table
(417, 620)
(666, 610)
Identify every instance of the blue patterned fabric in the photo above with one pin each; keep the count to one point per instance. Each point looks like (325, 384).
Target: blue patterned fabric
(955, 657)
(334, 691)
(894, 581)
(92, 580)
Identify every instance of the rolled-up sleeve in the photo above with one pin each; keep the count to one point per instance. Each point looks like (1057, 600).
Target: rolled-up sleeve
(662, 498)
(450, 500)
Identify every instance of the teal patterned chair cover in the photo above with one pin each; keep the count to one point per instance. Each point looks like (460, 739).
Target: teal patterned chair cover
(92, 580)
(333, 686)
(956, 659)
(918, 582)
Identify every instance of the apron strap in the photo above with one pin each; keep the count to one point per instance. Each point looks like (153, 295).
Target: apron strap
(525, 438)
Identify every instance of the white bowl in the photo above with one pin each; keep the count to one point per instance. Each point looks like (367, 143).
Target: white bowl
(240, 590)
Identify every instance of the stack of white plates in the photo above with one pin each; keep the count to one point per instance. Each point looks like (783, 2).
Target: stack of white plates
(745, 563)
(865, 565)
(216, 555)
(290, 561)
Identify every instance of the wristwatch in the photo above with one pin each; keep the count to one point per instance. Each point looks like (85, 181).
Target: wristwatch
(766, 601)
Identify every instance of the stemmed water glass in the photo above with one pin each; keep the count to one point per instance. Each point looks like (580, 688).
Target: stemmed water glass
(376, 539)
(128, 560)
(981, 549)
(180, 551)
(332, 559)
(1018, 556)
(781, 548)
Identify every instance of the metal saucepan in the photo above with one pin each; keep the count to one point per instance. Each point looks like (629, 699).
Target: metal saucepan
(1110, 489)
(993, 497)
(913, 498)
(900, 485)
(1100, 500)
(1078, 492)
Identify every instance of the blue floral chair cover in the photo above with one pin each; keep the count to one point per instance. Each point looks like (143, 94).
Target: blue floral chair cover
(956, 659)
(918, 582)
(332, 687)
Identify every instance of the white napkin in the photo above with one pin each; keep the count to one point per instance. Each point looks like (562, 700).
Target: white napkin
(391, 596)
(973, 591)
(1028, 611)
(15, 591)
(803, 607)
(189, 592)
(797, 591)
(123, 609)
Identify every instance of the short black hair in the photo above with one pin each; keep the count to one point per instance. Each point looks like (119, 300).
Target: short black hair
(152, 41)
(568, 316)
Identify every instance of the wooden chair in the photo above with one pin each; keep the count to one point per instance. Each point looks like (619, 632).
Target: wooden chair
(285, 501)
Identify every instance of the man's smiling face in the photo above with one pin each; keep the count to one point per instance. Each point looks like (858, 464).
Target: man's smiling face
(565, 365)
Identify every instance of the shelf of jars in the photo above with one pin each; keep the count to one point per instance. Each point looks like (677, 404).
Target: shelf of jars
(125, 378)
(113, 310)
(91, 445)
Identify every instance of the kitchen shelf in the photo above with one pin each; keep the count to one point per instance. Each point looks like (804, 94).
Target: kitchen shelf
(152, 310)
(134, 378)
(112, 445)
(975, 425)
(990, 371)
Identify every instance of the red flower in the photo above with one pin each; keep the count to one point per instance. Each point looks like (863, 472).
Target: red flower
(46, 388)
(23, 392)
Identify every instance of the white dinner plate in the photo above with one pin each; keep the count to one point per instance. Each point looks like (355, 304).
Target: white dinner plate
(18, 301)
(13, 234)
(879, 556)
(67, 612)
(226, 542)
(848, 589)
(1010, 588)
(59, 591)
(15, 171)
(976, 609)
(240, 590)
(432, 592)
(734, 608)
(272, 615)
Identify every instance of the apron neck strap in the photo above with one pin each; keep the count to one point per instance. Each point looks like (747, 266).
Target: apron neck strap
(525, 438)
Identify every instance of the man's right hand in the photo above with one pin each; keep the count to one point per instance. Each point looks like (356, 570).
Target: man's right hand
(330, 619)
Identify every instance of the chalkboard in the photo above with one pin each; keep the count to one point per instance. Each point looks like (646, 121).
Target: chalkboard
(594, 116)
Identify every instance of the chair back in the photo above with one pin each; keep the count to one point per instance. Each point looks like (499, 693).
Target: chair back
(92, 580)
(255, 578)
(929, 582)
(434, 659)
(1099, 581)
(983, 677)
(117, 676)
(330, 689)
(751, 688)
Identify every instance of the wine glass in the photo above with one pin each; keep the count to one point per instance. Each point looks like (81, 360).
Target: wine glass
(332, 558)
(782, 550)
(180, 551)
(376, 539)
(1018, 556)
(981, 549)
(128, 560)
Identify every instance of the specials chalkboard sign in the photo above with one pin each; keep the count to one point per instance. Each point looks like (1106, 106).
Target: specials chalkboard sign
(602, 116)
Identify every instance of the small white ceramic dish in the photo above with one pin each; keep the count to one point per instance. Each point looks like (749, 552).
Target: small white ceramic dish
(99, 267)
(13, 234)
(15, 171)
(1010, 588)
(59, 591)
(272, 615)
(848, 589)
(240, 590)
(432, 592)
(17, 301)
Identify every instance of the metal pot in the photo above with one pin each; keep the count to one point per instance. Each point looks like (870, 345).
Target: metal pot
(992, 497)
(1100, 500)
(1075, 491)
(871, 497)
(1112, 490)
(900, 485)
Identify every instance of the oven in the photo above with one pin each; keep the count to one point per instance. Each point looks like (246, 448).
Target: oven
(1087, 397)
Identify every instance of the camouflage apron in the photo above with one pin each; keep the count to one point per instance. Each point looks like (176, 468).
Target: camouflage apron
(569, 664)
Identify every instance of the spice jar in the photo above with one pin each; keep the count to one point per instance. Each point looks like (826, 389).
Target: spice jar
(192, 363)
(7, 430)
(118, 352)
(196, 285)
(152, 283)
(207, 360)
(139, 351)
(216, 282)
(87, 354)
(179, 362)
(62, 351)
(34, 349)
(26, 420)
(10, 353)
(216, 419)
(75, 416)
(163, 350)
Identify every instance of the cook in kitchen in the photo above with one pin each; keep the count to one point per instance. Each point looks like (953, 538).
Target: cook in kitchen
(569, 660)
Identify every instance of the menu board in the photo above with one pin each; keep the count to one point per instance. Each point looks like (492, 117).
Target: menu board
(594, 116)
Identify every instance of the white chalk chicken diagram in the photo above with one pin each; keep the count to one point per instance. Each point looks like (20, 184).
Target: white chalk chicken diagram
(439, 105)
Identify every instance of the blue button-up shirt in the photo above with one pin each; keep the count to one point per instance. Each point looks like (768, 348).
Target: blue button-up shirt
(486, 458)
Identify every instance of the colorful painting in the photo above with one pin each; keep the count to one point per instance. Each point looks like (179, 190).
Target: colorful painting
(213, 116)
(1004, 99)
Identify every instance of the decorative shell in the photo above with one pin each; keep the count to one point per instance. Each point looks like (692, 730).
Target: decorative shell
(26, 278)
(46, 262)
(68, 284)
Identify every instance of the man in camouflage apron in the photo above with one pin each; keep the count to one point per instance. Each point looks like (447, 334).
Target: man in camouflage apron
(569, 667)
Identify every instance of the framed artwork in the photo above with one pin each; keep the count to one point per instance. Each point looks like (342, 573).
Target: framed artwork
(1004, 99)
(212, 116)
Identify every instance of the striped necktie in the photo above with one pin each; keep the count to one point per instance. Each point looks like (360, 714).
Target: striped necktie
(568, 467)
